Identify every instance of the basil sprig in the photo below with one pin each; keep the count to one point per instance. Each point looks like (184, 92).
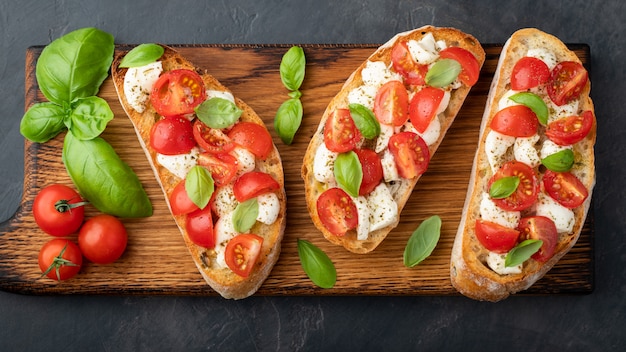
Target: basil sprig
(142, 55)
(561, 161)
(199, 186)
(245, 215)
(504, 187)
(442, 73)
(348, 172)
(218, 112)
(365, 120)
(289, 115)
(423, 241)
(288, 119)
(316, 264)
(534, 103)
(522, 252)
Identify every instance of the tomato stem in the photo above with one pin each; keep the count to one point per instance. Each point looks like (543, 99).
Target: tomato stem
(57, 263)
(63, 205)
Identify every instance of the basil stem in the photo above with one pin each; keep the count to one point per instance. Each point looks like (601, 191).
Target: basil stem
(561, 161)
(292, 68)
(365, 121)
(423, 241)
(348, 172)
(442, 73)
(288, 119)
(316, 264)
(522, 252)
(142, 55)
(199, 186)
(504, 187)
(218, 112)
(245, 215)
(534, 103)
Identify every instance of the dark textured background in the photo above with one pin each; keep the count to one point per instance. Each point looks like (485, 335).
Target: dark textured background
(593, 322)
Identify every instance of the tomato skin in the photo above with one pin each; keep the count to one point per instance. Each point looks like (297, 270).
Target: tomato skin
(223, 167)
(180, 201)
(177, 92)
(567, 81)
(102, 239)
(58, 220)
(540, 228)
(403, 63)
(253, 184)
(337, 211)
(495, 237)
(470, 68)
(391, 104)
(529, 72)
(242, 252)
(570, 130)
(253, 137)
(49, 264)
(172, 135)
(372, 170)
(515, 121)
(423, 107)
(527, 192)
(565, 188)
(340, 133)
(199, 226)
(410, 153)
(212, 140)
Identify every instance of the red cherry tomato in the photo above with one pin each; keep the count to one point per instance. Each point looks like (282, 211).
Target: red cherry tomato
(565, 188)
(253, 137)
(180, 201)
(515, 121)
(391, 104)
(540, 228)
(403, 63)
(177, 92)
(410, 153)
(60, 259)
(470, 68)
(340, 132)
(529, 72)
(526, 193)
(223, 167)
(570, 130)
(253, 184)
(337, 211)
(58, 210)
(172, 135)
(372, 170)
(242, 252)
(212, 140)
(199, 226)
(495, 237)
(567, 81)
(102, 239)
(423, 107)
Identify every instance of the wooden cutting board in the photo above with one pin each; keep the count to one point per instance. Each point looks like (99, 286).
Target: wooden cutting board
(156, 261)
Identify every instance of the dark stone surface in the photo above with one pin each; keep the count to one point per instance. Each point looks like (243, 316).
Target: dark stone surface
(593, 322)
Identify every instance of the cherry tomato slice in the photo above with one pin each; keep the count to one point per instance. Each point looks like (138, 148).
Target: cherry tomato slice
(60, 259)
(180, 203)
(410, 153)
(391, 104)
(565, 188)
(567, 81)
(102, 239)
(253, 137)
(177, 92)
(199, 226)
(212, 140)
(403, 63)
(253, 184)
(529, 72)
(242, 253)
(495, 237)
(340, 132)
(470, 68)
(526, 193)
(515, 121)
(570, 130)
(223, 167)
(172, 135)
(337, 211)
(423, 107)
(540, 228)
(372, 170)
(58, 210)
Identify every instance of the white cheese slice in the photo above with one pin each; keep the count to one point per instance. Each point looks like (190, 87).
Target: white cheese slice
(364, 95)
(210, 93)
(544, 55)
(432, 132)
(496, 263)
(377, 73)
(549, 147)
(525, 151)
(489, 211)
(138, 83)
(245, 160)
(224, 201)
(559, 112)
(224, 231)
(323, 164)
(383, 208)
(496, 146)
(424, 51)
(386, 131)
(179, 164)
(363, 225)
(390, 171)
(269, 208)
(505, 102)
(563, 217)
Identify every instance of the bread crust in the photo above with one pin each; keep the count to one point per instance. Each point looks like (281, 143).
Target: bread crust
(222, 280)
(468, 271)
(402, 190)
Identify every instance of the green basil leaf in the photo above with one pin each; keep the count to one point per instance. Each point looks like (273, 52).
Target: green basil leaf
(288, 119)
(423, 241)
(443, 72)
(534, 103)
(316, 264)
(199, 186)
(560, 161)
(218, 112)
(522, 252)
(245, 215)
(89, 117)
(365, 121)
(43, 121)
(102, 178)
(142, 55)
(348, 172)
(75, 65)
(504, 187)
(292, 68)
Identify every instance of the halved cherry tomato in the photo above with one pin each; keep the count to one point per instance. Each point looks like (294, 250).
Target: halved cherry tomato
(423, 107)
(391, 104)
(253, 137)
(403, 63)
(372, 170)
(567, 81)
(58, 210)
(337, 211)
(515, 121)
(102, 239)
(60, 259)
(223, 167)
(529, 72)
(495, 237)
(211, 140)
(340, 132)
(172, 135)
(570, 130)
(242, 252)
(177, 92)
(410, 153)
(565, 188)
(470, 68)
(527, 191)
(180, 201)
(199, 226)
(540, 228)
(253, 184)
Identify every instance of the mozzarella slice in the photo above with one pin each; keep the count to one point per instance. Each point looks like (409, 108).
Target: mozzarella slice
(224, 200)
(390, 171)
(563, 217)
(386, 131)
(245, 160)
(424, 51)
(505, 102)
(269, 208)
(445, 101)
(559, 112)
(432, 132)
(224, 231)
(377, 73)
(496, 263)
(179, 164)
(220, 94)
(383, 208)
(489, 211)
(525, 151)
(549, 147)
(544, 55)
(323, 164)
(363, 225)
(138, 83)
(496, 146)
(364, 95)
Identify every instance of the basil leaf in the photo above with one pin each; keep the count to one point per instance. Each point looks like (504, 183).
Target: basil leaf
(504, 187)
(218, 112)
(43, 121)
(442, 73)
(522, 252)
(199, 186)
(316, 264)
(534, 103)
(89, 117)
(75, 65)
(142, 55)
(292, 68)
(288, 119)
(102, 178)
(560, 161)
(423, 241)
(245, 215)
(348, 172)
(365, 121)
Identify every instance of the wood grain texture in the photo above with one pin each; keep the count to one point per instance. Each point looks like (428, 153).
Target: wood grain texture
(156, 261)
